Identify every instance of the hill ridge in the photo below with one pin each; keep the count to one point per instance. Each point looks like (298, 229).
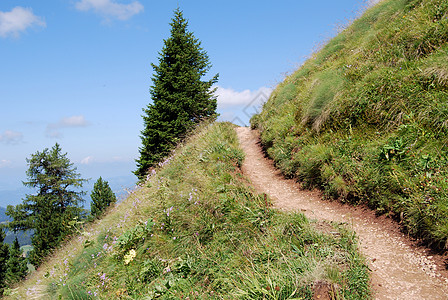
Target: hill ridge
(196, 229)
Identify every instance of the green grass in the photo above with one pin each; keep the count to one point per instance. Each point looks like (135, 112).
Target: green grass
(195, 229)
(365, 119)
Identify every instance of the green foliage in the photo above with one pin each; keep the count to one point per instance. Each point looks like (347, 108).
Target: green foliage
(370, 116)
(16, 265)
(54, 205)
(4, 255)
(180, 98)
(102, 197)
(324, 91)
(131, 238)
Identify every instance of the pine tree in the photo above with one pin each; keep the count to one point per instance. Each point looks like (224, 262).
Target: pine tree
(55, 204)
(4, 254)
(16, 265)
(102, 196)
(180, 98)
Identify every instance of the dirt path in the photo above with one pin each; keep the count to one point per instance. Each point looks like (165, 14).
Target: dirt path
(400, 269)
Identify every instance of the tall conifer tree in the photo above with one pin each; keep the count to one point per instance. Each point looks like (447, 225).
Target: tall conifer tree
(102, 196)
(4, 255)
(55, 204)
(180, 98)
(16, 265)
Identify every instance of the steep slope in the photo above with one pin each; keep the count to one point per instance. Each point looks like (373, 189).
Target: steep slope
(400, 270)
(365, 118)
(196, 230)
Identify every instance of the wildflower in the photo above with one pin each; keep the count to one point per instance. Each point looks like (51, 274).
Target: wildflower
(130, 256)
(168, 211)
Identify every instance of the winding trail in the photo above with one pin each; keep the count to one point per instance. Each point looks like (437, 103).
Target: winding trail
(400, 269)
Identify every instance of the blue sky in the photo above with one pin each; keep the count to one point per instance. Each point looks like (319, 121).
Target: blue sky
(78, 72)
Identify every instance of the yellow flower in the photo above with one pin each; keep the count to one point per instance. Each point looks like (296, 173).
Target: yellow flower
(130, 256)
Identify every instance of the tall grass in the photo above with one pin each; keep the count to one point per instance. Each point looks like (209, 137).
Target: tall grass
(370, 116)
(196, 230)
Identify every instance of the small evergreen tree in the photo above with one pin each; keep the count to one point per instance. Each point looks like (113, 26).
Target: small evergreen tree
(16, 265)
(180, 98)
(56, 203)
(4, 254)
(102, 196)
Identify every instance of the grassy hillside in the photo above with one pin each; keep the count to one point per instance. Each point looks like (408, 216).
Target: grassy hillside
(366, 118)
(195, 230)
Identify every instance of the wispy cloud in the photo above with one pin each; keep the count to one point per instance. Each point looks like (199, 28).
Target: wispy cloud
(53, 129)
(87, 160)
(110, 8)
(230, 97)
(18, 20)
(4, 163)
(11, 137)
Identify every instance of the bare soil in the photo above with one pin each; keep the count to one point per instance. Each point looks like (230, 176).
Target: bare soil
(401, 269)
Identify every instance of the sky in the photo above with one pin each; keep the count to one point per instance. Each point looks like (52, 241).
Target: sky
(78, 72)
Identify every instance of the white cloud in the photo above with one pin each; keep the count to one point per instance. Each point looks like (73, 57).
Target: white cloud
(4, 163)
(87, 160)
(110, 8)
(73, 121)
(53, 129)
(11, 137)
(18, 20)
(238, 107)
(230, 97)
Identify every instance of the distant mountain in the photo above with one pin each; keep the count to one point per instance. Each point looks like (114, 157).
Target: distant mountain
(24, 237)
(13, 197)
